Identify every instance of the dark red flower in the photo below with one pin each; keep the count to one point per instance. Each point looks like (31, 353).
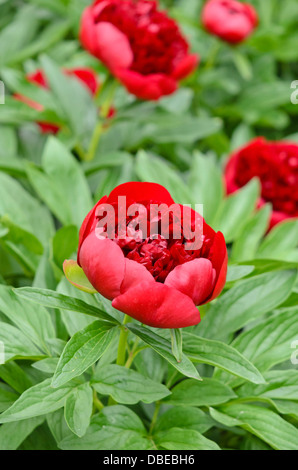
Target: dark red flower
(85, 75)
(276, 165)
(155, 280)
(230, 20)
(140, 45)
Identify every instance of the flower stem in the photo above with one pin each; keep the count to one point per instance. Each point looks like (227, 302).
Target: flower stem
(105, 98)
(212, 55)
(154, 417)
(121, 350)
(97, 404)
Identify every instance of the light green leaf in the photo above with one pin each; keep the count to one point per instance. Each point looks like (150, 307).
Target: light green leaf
(220, 355)
(127, 386)
(36, 401)
(83, 350)
(246, 301)
(13, 434)
(208, 392)
(184, 439)
(78, 409)
(163, 347)
(265, 424)
(53, 299)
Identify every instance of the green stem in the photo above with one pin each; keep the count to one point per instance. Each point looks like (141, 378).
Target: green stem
(212, 55)
(107, 91)
(154, 417)
(97, 404)
(121, 350)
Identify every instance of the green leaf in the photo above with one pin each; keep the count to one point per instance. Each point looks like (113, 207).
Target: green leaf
(245, 247)
(74, 98)
(78, 409)
(220, 355)
(238, 272)
(36, 401)
(30, 215)
(34, 321)
(246, 301)
(264, 424)
(13, 434)
(269, 342)
(236, 210)
(7, 397)
(184, 439)
(83, 350)
(67, 175)
(184, 417)
(53, 299)
(206, 185)
(282, 238)
(64, 244)
(17, 344)
(20, 236)
(155, 170)
(163, 347)
(76, 276)
(208, 392)
(176, 341)
(115, 428)
(127, 386)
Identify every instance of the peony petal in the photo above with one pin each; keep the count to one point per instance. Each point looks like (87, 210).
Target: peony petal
(158, 305)
(194, 278)
(186, 66)
(137, 192)
(134, 274)
(220, 264)
(87, 76)
(104, 265)
(112, 46)
(87, 32)
(147, 87)
(88, 225)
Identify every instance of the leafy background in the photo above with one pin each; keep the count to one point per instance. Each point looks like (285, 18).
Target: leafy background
(60, 343)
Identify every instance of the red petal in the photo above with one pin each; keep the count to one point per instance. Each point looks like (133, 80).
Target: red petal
(134, 274)
(186, 66)
(137, 192)
(103, 263)
(158, 305)
(86, 76)
(219, 263)
(194, 278)
(147, 87)
(88, 224)
(112, 46)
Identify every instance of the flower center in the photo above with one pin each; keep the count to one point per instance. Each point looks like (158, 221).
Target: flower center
(155, 39)
(159, 254)
(276, 166)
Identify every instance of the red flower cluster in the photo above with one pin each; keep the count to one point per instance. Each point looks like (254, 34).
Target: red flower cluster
(276, 165)
(230, 20)
(140, 45)
(154, 280)
(85, 75)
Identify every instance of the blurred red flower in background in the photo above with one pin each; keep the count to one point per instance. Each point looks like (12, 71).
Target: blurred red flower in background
(155, 279)
(85, 75)
(139, 44)
(230, 20)
(276, 165)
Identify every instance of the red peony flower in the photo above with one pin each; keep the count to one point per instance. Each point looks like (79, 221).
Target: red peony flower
(85, 75)
(230, 20)
(154, 279)
(140, 45)
(276, 165)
